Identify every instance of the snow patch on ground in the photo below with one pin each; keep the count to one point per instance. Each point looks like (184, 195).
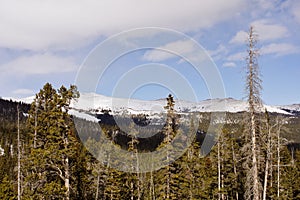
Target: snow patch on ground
(83, 115)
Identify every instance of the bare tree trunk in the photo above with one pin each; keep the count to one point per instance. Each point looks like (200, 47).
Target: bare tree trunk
(271, 171)
(254, 162)
(269, 151)
(67, 180)
(271, 166)
(278, 164)
(138, 176)
(168, 179)
(67, 172)
(219, 172)
(132, 169)
(293, 152)
(98, 183)
(266, 180)
(35, 127)
(152, 187)
(19, 156)
(253, 137)
(107, 168)
(253, 86)
(234, 168)
(190, 171)
(168, 167)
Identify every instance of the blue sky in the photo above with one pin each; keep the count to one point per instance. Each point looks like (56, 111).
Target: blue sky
(47, 41)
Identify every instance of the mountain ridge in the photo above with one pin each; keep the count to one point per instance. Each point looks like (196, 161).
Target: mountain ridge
(93, 101)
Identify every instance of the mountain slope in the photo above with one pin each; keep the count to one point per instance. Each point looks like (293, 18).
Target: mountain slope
(92, 102)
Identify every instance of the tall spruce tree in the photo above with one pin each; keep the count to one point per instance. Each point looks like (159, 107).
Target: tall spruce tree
(48, 168)
(167, 187)
(133, 179)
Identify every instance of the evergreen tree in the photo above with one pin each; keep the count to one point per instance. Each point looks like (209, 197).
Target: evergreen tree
(225, 163)
(189, 166)
(167, 188)
(133, 178)
(7, 190)
(51, 156)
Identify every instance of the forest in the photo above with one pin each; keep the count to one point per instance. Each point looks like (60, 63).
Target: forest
(45, 155)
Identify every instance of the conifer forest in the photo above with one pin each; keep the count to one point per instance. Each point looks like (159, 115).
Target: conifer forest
(256, 154)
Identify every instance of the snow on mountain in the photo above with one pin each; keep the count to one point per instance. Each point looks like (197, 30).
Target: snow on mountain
(293, 107)
(27, 100)
(83, 115)
(93, 103)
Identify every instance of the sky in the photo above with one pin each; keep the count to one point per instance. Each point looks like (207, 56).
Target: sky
(50, 40)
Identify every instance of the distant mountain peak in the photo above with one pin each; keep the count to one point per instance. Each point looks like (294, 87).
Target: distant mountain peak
(93, 101)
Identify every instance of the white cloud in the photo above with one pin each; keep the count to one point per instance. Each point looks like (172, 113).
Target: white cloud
(279, 49)
(264, 7)
(229, 64)
(184, 50)
(293, 7)
(157, 55)
(39, 25)
(218, 53)
(295, 11)
(23, 91)
(265, 4)
(266, 32)
(237, 56)
(182, 47)
(239, 38)
(38, 64)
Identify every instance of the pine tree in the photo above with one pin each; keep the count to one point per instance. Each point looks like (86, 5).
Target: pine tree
(228, 177)
(168, 179)
(133, 178)
(115, 187)
(189, 166)
(7, 190)
(53, 146)
(291, 177)
(19, 154)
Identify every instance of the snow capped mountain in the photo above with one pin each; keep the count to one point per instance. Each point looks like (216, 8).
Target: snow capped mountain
(294, 108)
(27, 100)
(94, 103)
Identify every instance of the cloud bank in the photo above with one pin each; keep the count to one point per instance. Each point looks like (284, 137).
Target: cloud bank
(38, 25)
(38, 64)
